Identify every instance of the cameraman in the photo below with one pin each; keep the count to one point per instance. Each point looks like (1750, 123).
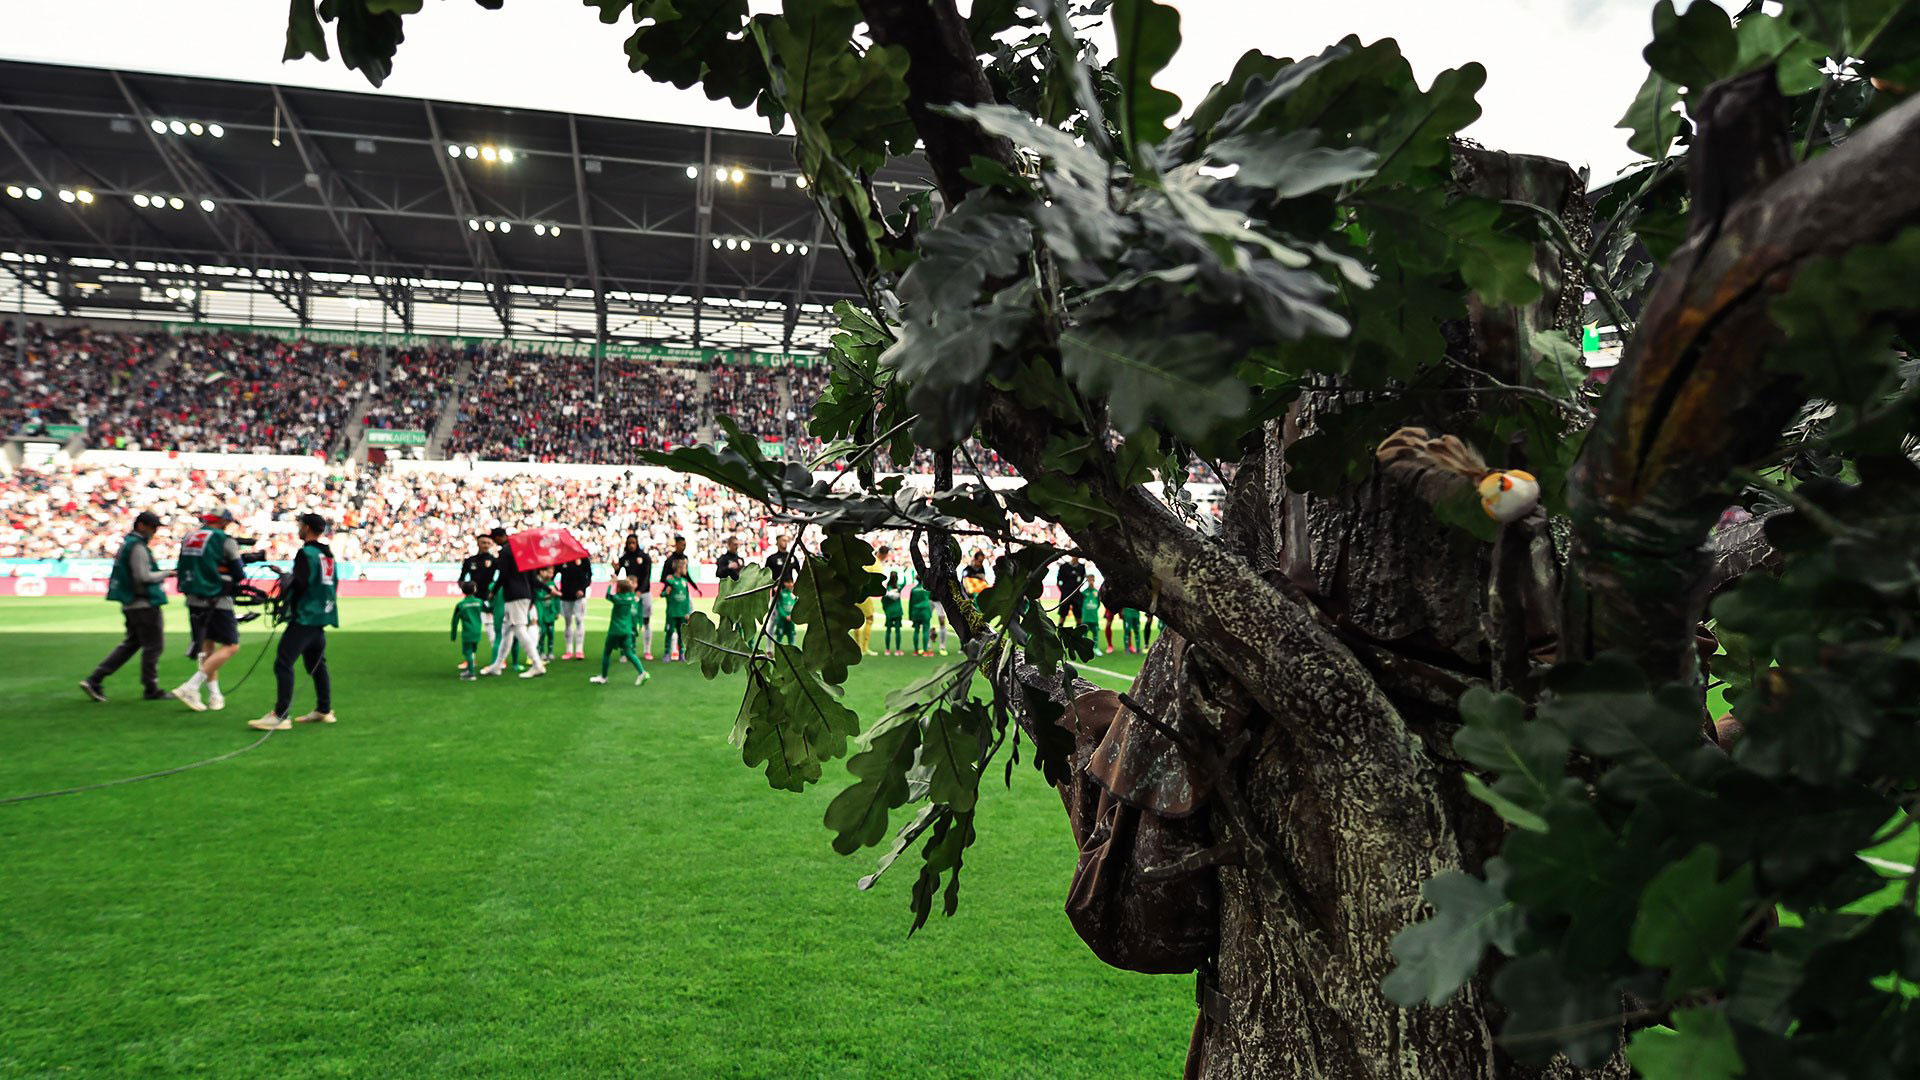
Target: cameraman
(209, 569)
(139, 586)
(311, 604)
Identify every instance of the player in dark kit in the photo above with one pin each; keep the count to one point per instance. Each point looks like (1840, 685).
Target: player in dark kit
(576, 580)
(480, 570)
(311, 603)
(728, 566)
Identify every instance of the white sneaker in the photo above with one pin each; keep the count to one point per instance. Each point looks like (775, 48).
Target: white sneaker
(642, 680)
(598, 680)
(490, 669)
(270, 722)
(216, 702)
(190, 699)
(533, 673)
(315, 717)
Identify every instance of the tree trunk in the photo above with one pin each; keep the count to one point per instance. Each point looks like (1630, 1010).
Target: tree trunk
(1366, 811)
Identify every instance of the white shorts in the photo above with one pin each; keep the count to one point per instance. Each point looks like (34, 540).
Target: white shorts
(519, 613)
(646, 607)
(573, 609)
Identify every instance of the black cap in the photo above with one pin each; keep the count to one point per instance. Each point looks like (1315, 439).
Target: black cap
(147, 517)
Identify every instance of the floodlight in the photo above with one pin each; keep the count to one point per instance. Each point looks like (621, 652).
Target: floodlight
(473, 224)
(506, 226)
(33, 193)
(216, 131)
(452, 150)
(716, 240)
(472, 152)
(800, 182)
(488, 153)
(15, 191)
(803, 249)
(737, 175)
(693, 172)
(719, 172)
(138, 200)
(506, 156)
(85, 196)
(65, 195)
(187, 294)
(159, 127)
(732, 243)
(539, 229)
(206, 205)
(195, 127)
(490, 225)
(177, 127)
(746, 245)
(176, 203)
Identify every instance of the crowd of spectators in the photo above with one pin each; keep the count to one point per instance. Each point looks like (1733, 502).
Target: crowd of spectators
(524, 406)
(82, 511)
(409, 398)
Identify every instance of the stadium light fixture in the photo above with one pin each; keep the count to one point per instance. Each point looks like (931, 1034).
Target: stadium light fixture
(506, 226)
(487, 153)
(66, 196)
(746, 245)
(138, 200)
(474, 224)
(206, 205)
(159, 127)
(553, 230)
(737, 176)
(693, 172)
(195, 127)
(716, 240)
(173, 293)
(452, 150)
(15, 191)
(506, 156)
(803, 249)
(176, 127)
(732, 243)
(720, 172)
(216, 131)
(188, 294)
(33, 192)
(539, 229)
(472, 151)
(85, 197)
(800, 182)
(176, 203)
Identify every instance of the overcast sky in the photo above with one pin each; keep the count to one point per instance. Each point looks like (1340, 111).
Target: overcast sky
(1560, 72)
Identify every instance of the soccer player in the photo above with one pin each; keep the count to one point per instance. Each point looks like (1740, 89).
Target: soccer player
(209, 568)
(638, 565)
(516, 585)
(546, 609)
(920, 613)
(676, 584)
(1112, 613)
(1071, 579)
(783, 613)
(626, 604)
(863, 635)
(479, 569)
(469, 615)
(1130, 628)
(140, 588)
(890, 606)
(311, 607)
(729, 564)
(576, 580)
(1089, 606)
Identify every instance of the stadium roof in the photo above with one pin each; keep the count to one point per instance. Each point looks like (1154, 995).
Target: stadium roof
(330, 209)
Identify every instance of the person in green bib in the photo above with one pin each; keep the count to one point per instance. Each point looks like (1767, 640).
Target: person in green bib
(625, 599)
(894, 610)
(783, 603)
(1130, 629)
(209, 569)
(311, 601)
(139, 587)
(676, 584)
(920, 613)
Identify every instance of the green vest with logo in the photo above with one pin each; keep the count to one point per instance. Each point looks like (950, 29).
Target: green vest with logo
(316, 606)
(121, 587)
(202, 560)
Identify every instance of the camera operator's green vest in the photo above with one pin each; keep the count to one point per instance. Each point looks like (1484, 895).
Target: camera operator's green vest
(316, 606)
(121, 587)
(202, 563)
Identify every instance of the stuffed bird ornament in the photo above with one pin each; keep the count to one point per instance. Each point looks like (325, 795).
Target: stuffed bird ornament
(1438, 464)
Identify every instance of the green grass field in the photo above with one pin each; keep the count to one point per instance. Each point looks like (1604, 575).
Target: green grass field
(541, 878)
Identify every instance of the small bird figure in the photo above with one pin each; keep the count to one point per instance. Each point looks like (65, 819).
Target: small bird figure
(1439, 463)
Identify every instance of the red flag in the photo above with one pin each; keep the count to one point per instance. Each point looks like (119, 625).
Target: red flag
(549, 546)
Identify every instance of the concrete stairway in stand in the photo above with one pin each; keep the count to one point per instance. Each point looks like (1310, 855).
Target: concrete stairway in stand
(449, 412)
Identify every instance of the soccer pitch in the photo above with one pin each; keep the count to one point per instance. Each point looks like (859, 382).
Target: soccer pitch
(506, 878)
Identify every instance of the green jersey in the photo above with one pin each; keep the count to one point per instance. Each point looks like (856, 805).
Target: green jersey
(315, 578)
(890, 602)
(203, 563)
(1130, 616)
(783, 604)
(546, 606)
(1089, 606)
(467, 618)
(920, 604)
(626, 613)
(679, 596)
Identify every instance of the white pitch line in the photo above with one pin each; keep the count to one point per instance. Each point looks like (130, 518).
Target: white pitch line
(1102, 671)
(1903, 869)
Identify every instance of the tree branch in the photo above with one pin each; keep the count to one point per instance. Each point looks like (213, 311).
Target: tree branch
(1693, 398)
